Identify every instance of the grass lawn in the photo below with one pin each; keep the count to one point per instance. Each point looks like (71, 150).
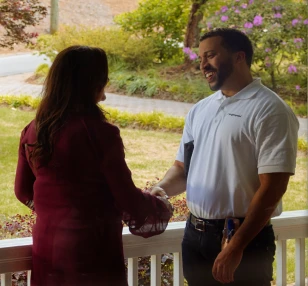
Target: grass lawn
(148, 153)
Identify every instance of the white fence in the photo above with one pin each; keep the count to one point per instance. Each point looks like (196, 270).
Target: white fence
(15, 254)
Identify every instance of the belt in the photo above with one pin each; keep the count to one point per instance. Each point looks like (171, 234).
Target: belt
(211, 225)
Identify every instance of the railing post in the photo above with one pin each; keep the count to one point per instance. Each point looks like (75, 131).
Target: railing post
(155, 270)
(299, 261)
(28, 277)
(132, 271)
(281, 256)
(6, 279)
(178, 278)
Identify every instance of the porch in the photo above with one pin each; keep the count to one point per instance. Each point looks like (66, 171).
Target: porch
(15, 254)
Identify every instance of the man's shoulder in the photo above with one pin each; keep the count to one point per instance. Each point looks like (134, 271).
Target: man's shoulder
(272, 101)
(205, 101)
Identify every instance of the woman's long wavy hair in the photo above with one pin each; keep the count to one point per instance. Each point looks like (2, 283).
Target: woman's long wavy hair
(73, 84)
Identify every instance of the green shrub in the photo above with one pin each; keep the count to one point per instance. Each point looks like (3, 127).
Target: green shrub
(42, 70)
(302, 144)
(123, 49)
(163, 22)
(144, 120)
(278, 31)
(299, 109)
(21, 100)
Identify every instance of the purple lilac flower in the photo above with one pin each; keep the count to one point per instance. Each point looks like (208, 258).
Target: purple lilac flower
(267, 50)
(297, 87)
(248, 25)
(277, 15)
(224, 18)
(186, 50)
(298, 40)
(190, 53)
(244, 6)
(294, 22)
(292, 69)
(216, 13)
(193, 56)
(250, 2)
(209, 25)
(257, 21)
(224, 9)
(305, 22)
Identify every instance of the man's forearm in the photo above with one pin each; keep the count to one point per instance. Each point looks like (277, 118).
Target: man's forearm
(261, 208)
(174, 182)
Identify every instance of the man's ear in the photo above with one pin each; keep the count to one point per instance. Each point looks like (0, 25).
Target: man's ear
(240, 57)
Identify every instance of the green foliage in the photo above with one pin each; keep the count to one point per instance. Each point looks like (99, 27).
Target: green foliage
(150, 83)
(302, 144)
(278, 31)
(299, 109)
(42, 70)
(18, 101)
(144, 120)
(123, 49)
(162, 21)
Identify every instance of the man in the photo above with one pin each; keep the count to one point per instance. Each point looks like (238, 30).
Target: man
(245, 144)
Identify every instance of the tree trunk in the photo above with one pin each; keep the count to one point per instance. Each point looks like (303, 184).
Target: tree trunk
(273, 80)
(192, 29)
(54, 16)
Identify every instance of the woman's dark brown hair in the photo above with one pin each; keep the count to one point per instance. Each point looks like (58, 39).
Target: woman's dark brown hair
(73, 84)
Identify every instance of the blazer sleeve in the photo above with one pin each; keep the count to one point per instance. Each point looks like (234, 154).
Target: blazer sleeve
(146, 215)
(24, 178)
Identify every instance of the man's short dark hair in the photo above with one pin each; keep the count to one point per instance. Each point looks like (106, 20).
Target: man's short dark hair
(233, 40)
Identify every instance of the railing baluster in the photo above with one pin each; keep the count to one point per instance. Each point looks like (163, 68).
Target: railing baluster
(178, 279)
(6, 279)
(28, 277)
(299, 261)
(155, 270)
(281, 256)
(132, 273)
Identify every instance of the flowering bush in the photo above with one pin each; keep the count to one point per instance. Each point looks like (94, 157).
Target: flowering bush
(15, 17)
(278, 31)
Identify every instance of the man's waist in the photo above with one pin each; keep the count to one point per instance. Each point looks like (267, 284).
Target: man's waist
(212, 225)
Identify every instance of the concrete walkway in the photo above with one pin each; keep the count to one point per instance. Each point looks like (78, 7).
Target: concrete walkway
(16, 85)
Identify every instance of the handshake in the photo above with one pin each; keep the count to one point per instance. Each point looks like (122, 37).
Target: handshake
(162, 195)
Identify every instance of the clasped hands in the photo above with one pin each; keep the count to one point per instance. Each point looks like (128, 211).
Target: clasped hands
(162, 195)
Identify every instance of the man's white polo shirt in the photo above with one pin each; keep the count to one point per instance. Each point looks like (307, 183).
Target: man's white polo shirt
(235, 139)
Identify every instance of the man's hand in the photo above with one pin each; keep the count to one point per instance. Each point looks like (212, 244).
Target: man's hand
(159, 192)
(226, 263)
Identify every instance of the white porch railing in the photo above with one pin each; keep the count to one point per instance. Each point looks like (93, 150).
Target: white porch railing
(15, 254)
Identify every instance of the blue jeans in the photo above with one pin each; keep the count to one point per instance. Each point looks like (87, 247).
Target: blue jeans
(200, 249)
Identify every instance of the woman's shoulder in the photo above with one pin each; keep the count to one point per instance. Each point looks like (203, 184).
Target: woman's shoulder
(28, 128)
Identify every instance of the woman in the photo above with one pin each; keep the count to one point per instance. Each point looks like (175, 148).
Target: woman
(71, 166)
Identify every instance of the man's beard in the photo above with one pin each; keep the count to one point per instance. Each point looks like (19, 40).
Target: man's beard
(222, 73)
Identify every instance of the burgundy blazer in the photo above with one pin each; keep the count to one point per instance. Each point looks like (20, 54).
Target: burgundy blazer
(81, 197)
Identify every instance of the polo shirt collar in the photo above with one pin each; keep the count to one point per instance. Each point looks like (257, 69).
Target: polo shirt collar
(247, 92)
